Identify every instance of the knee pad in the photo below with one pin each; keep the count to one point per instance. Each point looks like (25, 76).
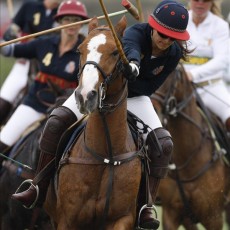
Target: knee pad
(59, 120)
(159, 157)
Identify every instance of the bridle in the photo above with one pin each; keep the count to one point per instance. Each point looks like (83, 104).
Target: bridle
(173, 108)
(170, 104)
(108, 79)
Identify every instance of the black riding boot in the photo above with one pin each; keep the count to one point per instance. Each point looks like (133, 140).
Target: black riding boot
(5, 108)
(3, 150)
(160, 146)
(60, 119)
(148, 214)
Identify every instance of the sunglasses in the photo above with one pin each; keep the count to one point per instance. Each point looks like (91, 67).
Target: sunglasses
(165, 36)
(70, 19)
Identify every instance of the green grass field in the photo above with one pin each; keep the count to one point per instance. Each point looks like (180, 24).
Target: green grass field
(5, 66)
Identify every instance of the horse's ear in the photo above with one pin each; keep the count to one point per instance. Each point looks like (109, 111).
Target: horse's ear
(121, 25)
(93, 24)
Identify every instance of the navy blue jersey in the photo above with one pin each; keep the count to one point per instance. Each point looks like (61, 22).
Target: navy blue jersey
(45, 50)
(33, 17)
(137, 45)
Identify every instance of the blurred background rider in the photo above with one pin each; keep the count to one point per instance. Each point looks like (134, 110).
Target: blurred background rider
(58, 64)
(32, 17)
(207, 65)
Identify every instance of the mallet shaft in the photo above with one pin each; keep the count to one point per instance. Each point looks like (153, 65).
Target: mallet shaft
(59, 28)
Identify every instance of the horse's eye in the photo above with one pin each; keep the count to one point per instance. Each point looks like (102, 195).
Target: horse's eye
(78, 51)
(115, 53)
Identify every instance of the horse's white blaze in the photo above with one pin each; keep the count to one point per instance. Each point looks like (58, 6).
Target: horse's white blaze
(90, 74)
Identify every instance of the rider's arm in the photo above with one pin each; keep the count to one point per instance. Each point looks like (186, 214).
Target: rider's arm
(22, 50)
(218, 62)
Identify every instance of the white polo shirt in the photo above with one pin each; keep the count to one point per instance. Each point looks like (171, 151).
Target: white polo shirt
(210, 38)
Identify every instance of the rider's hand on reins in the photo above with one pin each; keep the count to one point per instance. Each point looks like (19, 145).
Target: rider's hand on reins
(131, 71)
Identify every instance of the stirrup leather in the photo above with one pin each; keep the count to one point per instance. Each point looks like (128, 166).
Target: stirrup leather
(29, 181)
(146, 207)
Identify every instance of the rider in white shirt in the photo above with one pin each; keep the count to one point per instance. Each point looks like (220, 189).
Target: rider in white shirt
(209, 36)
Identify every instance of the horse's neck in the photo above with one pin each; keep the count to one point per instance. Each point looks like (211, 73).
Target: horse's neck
(192, 113)
(96, 136)
(188, 137)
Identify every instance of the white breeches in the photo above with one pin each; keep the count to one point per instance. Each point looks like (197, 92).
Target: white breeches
(15, 81)
(140, 106)
(23, 117)
(72, 105)
(217, 98)
(143, 108)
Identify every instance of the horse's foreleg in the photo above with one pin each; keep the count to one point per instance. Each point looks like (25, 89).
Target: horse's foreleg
(189, 226)
(170, 219)
(124, 223)
(214, 222)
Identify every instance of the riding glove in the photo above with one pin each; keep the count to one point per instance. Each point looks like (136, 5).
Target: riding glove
(131, 71)
(12, 32)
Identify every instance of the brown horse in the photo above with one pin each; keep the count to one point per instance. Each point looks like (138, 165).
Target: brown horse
(98, 186)
(196, 188)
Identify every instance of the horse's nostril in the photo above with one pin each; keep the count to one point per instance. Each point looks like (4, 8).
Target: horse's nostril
(91, 95)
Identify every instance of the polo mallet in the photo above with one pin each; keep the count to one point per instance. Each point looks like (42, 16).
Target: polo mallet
(117, 41)
(134, 12)
(16, 162)
(140, 11)
(59, 28)
(131, 8)
(10, 8)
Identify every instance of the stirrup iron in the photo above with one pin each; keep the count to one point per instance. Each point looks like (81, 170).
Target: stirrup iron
(146, 207)
(29, 181)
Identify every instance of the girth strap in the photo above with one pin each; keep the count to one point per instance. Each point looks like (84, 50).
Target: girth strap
(98, 160)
